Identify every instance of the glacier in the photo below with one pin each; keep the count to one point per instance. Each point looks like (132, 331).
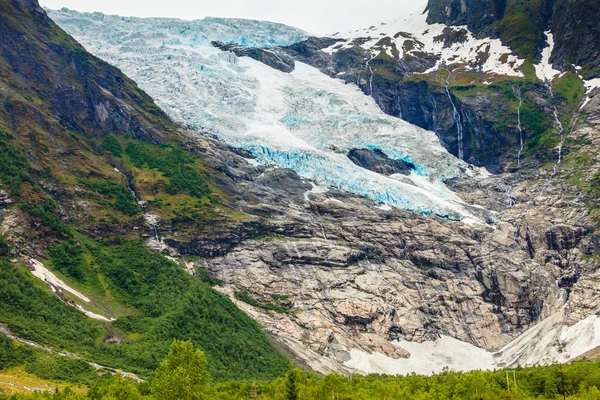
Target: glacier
(305, 120)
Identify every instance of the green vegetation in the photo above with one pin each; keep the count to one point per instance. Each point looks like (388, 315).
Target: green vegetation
(522, 36)
(112, 145)
(248, 299)
(54, 367)
(14, 168)
(581, 381)
(175, 163)
(205, 277)
(183, 375)
(11, 355)
(32, 312)
(45, 211)
(44, 364)
(4, 247)
(67, 258)
(569, 88)
(166, 302)
(118, 195)
(569, 92)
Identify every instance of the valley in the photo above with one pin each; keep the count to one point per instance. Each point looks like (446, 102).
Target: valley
(416, 197)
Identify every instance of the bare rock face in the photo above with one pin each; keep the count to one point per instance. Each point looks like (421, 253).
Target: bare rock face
(377, 161)
(333, 273)
(274, 58)
(5, 198)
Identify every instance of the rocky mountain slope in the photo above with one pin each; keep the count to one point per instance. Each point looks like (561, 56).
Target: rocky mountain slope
(76, 138)
(329, 253)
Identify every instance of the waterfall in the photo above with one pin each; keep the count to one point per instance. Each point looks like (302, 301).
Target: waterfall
(148, 218)
(370, 69)
(517, 92)
(456, 116)
(559, 126)
(561, 132)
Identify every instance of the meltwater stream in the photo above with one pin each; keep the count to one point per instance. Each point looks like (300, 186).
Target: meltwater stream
(304, 120)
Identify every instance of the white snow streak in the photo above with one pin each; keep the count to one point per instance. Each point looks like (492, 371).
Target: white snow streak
(41, 272)
(544, 70)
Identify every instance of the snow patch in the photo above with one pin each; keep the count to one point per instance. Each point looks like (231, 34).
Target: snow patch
(252, 161)
(591, 84)
(41, 272)
(548, 342)
(94, 315)
(426, 358)
(552, 341)
(424, 37)
(544, 69)
(316, 189)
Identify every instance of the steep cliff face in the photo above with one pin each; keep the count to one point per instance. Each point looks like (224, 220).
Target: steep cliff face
(522, 26)
(577, 37)
(81, 92)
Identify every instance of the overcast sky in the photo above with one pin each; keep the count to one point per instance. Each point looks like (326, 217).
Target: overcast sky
(314, 16)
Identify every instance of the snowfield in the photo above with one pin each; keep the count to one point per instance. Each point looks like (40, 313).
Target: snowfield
(410, 33)
(548, 342)
(305, 120)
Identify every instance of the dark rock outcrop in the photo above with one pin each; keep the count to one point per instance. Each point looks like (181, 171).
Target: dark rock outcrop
(577, 36)
(378, 161)
(477, 15)
(521, 26)
(272, 57)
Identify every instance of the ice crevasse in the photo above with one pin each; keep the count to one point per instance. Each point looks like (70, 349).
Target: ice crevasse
(305, 120)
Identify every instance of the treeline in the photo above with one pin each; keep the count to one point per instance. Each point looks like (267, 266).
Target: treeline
(183, 375)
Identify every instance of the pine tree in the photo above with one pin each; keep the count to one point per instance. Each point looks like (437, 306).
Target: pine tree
(291, 384)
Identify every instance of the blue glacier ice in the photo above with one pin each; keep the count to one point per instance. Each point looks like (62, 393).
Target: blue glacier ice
(304, 120)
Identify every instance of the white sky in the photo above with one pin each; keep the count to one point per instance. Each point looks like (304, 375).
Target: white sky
(314, 16)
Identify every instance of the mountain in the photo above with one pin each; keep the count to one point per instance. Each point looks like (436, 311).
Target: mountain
(414, 195)
(78, 138)
(302, 120)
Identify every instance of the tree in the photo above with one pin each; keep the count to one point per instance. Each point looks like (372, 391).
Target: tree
(182, 375)
(291, 384)
(4, 247)
(7, 352)
(117, 388)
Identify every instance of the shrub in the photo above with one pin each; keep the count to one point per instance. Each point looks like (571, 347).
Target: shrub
(45, 211)
(122, 199)
(14, 168)
(112, 145)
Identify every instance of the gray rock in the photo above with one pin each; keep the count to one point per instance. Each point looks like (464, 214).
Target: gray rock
(377, 161)
(273, 57)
